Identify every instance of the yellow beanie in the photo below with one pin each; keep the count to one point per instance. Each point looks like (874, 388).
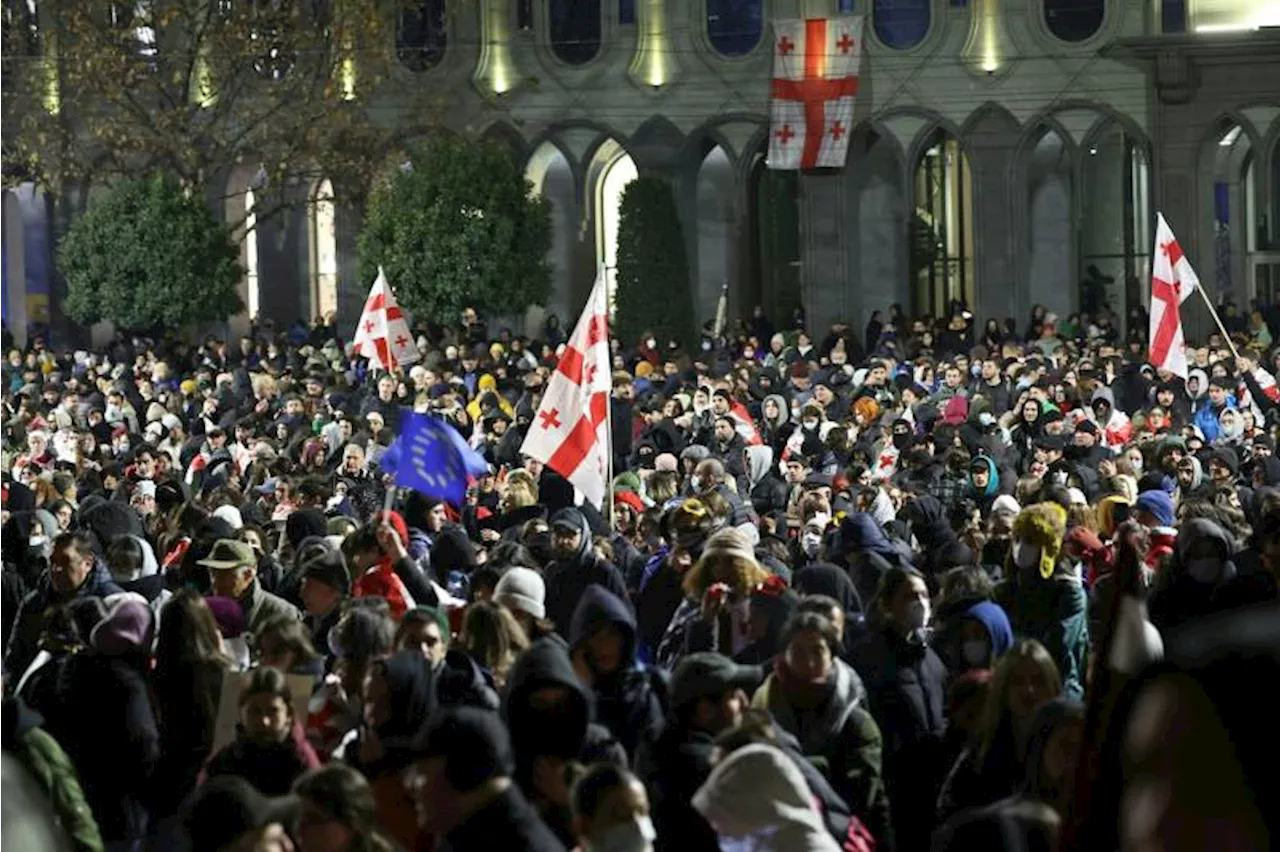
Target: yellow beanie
(643, 370)
(1043, 525)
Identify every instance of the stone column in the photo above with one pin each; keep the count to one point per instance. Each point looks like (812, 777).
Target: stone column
(824, 277)
(990, 144)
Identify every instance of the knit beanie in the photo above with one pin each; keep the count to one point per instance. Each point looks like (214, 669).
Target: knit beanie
(1158, 504)
(1043, 525)
(1005, 504)
(522, 589)
(729, 542)
(127, 628)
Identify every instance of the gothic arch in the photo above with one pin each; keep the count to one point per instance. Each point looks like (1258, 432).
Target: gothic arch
(656, 143)
(507, 136)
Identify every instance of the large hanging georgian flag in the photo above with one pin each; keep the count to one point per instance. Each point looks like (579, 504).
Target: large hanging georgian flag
(815, 81)
(570, 431)
(383, 335)
(1172, 282)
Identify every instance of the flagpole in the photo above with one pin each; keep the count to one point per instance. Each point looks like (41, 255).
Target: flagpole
(1214, 313)
(608, 408)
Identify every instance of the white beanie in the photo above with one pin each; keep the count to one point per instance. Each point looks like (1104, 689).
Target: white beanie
(522, 589)
(1005, 503)
(230, 514)
(170, 421)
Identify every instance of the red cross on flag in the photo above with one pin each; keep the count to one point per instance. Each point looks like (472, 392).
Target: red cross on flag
(1172, 281)
(382, 335)
(815, 81)
(570, 431)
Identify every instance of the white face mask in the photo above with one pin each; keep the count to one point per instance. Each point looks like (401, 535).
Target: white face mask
(636, 835)
(237, 647)
(974, 652)
(811, 542)
(1026, 556)
(695, 482)
(810, 424)
(651, 343)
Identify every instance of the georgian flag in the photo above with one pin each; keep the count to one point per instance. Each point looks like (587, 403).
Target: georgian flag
(382, 335)
(815, 83)
(570, 430)
(1172, 283)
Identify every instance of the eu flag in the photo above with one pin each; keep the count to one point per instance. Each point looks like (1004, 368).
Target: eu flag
(433, 459)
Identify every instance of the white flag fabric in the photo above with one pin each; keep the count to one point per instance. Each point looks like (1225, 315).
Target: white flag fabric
(570, 431)
(383, 335)
(815, 84)
(1172, 282)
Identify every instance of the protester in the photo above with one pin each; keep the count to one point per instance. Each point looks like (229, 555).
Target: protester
(932, 541)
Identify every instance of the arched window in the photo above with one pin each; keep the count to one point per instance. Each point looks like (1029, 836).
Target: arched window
(901, 24)
(575, 30)
(735, 26)
(420, 34)
(1074, 20)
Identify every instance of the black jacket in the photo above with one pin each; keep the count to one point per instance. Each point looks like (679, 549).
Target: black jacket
(568, 579)
(672, 771)
(508, 823)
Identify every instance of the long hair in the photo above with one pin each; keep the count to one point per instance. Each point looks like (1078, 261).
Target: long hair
(188, 634)
(343, 794)
(994, 718)
(492, 637)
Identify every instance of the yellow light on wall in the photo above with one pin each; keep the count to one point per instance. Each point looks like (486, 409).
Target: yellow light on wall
(501, 78)
(652, 64)
(496, 72)
(347, 78)
(52, 93)
(982, 49)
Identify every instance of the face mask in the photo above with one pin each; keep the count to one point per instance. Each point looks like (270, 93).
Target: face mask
(1205, 570)
(1026, 556)
(810, 425)
(974, 653)
(975, 370)
(811, 542)
(706, 346)
(36, 540)
(651, 343)
(1136, 464)
(695, 482)
(902, 440)
(636, 835)
(918, 615)
(122, 447)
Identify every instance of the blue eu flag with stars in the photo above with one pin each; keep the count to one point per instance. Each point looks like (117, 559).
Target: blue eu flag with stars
(430, 457)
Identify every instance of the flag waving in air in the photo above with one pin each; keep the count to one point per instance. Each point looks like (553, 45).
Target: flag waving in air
(382, 335)
(1172, 281)
(570, 430)
(815, 82)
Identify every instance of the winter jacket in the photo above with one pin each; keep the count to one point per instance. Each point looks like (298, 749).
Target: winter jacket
(632, 703)
(33, 615)
(906, 687)
(270, 767)
(53, 773)
(509, 823)
(672, 770)
(568, 579)
(1054, 612)
(841, 739)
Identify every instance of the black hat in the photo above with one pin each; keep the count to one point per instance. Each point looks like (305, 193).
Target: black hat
(1051, 442)
(225, 808)
(474, 743)
(1087, 426)
(817, 480)
(707, 674)
(328, 567)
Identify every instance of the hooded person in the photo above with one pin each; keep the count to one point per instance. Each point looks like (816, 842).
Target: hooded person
(822, 578)
(767, 491)
(575, 567)
(1044, 595)
(400, 697)
(1114, 423)
(940, 547)
(1201, 579)
(757, 798)
(868, 553)
(630, 698)
(550, 714)
(984, 479)
(979, 637)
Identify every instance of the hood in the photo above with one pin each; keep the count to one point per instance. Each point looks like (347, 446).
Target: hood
(1199, 529)
(928, 522)
(831, 580)
(861, 532)
(560, 731)
(756, 789)
(1197, 474)
(784, 410)
(993, 475)
(111, 518)
(149, 564)
(759, 460)
(412, 695)
(1104, 393)
(993, 617)
(573, 517)
(882, 510)
(1202, 386)
(461, 681)
(597, 607)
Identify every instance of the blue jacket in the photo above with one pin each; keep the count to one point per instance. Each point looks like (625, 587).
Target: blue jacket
(1206, 419)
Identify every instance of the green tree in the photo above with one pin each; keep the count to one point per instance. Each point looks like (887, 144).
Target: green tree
(149, 254)
(653, 292)
(460, 227)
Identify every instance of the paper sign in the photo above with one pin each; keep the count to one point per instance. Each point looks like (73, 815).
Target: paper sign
(233, 684)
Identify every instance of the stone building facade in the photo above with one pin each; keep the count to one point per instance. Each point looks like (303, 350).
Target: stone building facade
(1007, 153)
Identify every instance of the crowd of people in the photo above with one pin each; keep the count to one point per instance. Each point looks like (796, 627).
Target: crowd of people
(935, 585)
